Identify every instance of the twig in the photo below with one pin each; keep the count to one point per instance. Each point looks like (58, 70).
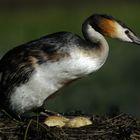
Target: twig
(26, 131)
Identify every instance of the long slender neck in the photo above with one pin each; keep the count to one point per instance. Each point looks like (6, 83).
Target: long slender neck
(93, 36)
(96, 40)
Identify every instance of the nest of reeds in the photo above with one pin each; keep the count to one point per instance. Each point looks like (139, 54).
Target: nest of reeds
(120, 127)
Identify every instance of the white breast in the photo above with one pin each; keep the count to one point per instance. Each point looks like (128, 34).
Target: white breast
(50, 77)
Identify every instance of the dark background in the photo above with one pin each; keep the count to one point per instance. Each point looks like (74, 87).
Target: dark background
(117, 83)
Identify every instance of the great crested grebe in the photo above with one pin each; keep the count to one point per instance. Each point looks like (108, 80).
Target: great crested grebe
(31, 72)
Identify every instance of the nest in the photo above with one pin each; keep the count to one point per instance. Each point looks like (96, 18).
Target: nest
(120, 127)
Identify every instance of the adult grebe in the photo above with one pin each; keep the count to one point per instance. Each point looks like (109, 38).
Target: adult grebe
(30, 73)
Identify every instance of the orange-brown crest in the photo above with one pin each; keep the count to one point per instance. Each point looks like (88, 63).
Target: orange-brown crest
(108, 27)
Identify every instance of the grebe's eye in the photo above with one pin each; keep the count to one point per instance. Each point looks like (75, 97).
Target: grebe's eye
(127, 32)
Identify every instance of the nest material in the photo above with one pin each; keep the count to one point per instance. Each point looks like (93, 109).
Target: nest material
(120, 127)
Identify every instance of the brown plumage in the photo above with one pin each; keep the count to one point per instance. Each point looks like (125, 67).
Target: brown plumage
(108, 27)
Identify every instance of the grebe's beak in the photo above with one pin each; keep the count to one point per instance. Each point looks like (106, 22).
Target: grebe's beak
(135, 39)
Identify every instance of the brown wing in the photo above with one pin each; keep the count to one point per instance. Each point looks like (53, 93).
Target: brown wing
(17, 66)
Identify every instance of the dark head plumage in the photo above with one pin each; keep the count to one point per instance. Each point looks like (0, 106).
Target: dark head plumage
(111, 27)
